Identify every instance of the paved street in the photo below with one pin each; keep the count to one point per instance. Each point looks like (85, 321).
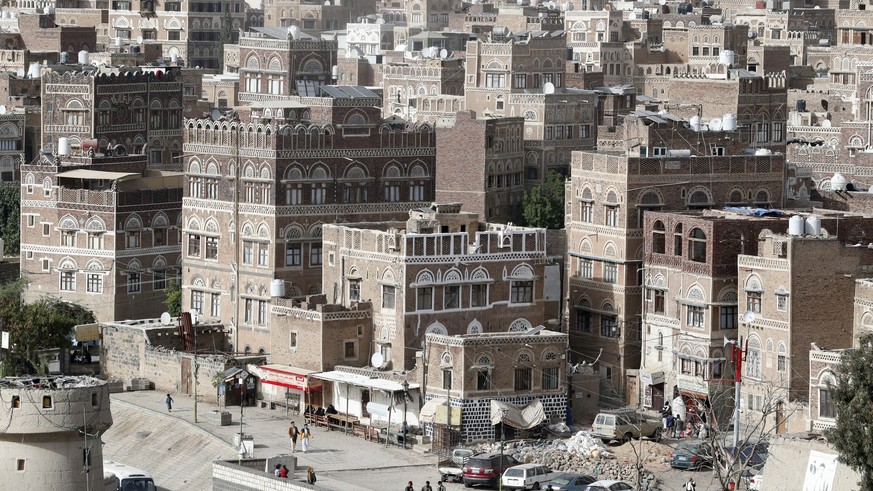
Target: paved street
(179, 453)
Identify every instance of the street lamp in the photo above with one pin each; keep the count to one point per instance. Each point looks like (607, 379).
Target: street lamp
(503, 412)
(405, 426)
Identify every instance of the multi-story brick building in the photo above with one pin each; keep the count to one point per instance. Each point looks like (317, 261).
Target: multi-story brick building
(190, 30)
(690, 306)
(645, 165)
(314, 17)
(523, 75)
(824, 360)
(406, 84)
(95, 220)
(480, 163)
(794, 286)
(474, 371)
(258, 194)
(442, 272)
(276, 63)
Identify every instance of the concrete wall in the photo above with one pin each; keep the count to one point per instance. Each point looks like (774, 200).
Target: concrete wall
(788, 460)
(227, 476)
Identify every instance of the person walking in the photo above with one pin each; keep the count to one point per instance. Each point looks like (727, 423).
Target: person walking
(277, 470)
(306, 434)
(426, 486)
(169, 402)
(440, 486)
(670, 421)
(310, 475)
(293, 433)
(409, 487)
(283, 472)
(690, 485)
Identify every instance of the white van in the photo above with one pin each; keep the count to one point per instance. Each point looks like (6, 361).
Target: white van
(527, 476)
(129, 478)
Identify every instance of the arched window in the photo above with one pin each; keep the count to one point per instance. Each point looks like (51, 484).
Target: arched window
(677, 240)
(753, 358)
(659, 237)
(697, 246)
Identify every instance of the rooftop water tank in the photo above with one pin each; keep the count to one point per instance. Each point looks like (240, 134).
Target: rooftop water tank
(763, 152)
(726, 57)
(174, 58)
(838, 182)
(796, 225)
(679, 153)
(63, 57)
(63, 146)
(277, 288)
(83, 57)
(813, 225)
(729, 122)
(35, 70)
(695, 123)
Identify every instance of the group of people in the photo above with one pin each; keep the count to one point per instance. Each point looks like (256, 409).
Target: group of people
(281, 470)
(321, 411)
(426, 487)
(304, 434)
(675, 427)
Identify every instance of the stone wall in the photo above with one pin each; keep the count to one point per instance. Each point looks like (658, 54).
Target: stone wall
(227, 476)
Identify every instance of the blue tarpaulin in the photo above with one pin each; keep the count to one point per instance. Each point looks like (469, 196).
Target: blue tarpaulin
(758, 212)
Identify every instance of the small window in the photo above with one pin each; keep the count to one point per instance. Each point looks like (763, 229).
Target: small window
(447, 379)
(782, 302)
(20, 465)
(94, 399)
(292, 340)
(46, 229)
(349, 350)
(483, 380)
(16, 402)
(47, 402)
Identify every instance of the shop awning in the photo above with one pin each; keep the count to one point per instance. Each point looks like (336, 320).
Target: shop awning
(362, 381)
(287, 376)
(428, 411)
(521, 417)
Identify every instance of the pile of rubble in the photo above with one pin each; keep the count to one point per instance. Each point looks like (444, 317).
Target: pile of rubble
(585, 454)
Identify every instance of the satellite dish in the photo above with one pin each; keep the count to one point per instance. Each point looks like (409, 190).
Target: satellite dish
(166, 318)
(380, 21)
(749, 317)
(548, 88)
(632, 16)
(715, 124)
(444, 53)
(216, 114)
(139, 40)
(377, 360)
(824, 124)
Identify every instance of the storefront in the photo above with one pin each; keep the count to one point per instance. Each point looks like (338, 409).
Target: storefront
(291, 387)
(653, 389)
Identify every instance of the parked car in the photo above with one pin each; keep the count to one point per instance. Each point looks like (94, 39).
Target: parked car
(570, 482)
(486, 469)
(692, 454)
(749, 456)
(624, 424)
(527, 476)
(452, 469)
(609, 486)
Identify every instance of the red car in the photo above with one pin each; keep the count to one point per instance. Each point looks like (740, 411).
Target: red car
(486, 469)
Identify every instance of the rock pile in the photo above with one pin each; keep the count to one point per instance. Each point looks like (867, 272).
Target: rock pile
(582, 454)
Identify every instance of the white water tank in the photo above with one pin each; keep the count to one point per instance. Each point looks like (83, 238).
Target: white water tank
(174, 58)
(729, 122)
(679, 153)
(763, 152)
(334, 72)
(838, 182)
(35, 70)
(5, 14)
(63, 146)
(813, 225)
(726, 57)
(796, 225)
(277, 288)
(83, 57)
(63, 57)
(695, 123)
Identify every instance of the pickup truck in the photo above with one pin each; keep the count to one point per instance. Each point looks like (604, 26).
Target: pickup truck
(623, 425)
(452, 470)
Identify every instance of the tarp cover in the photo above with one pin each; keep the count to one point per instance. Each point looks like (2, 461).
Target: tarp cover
(429, 409)
(521, 417)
